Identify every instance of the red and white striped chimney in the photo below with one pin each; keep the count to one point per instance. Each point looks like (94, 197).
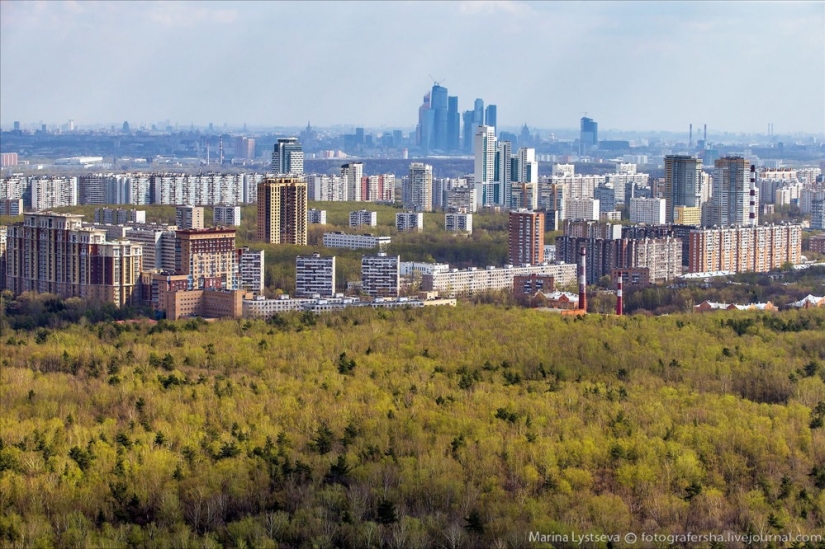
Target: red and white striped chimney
(583, 279)
(752, 214)
(619, 304)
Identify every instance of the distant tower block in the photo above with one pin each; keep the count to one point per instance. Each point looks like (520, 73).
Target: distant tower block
(583, 279)
(752, 211)
(690, 139)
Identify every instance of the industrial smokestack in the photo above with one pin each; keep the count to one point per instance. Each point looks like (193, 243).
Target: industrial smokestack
(752, 213)
(220, 144)
(619, 306)
(583, 279)
(690, 139)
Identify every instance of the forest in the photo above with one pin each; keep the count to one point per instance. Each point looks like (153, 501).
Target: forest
(437, 427)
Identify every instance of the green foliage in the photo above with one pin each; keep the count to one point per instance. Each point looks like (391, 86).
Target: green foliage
(385, 512)
(345, 365)
(472, 424)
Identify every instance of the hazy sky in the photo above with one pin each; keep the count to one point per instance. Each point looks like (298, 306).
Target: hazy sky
(635, 66)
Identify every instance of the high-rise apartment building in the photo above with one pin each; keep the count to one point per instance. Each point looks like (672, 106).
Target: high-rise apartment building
(485, 165)
(91, 188)
(683, 186)
(380, 275)
(189, 217)
(314, 275)
(588, 135)
(730, 200)
(742, 248)
(207, 258)
(49, 192)
(351, 175)
(527, 167)
(3, 247)
(53, 253)
(282, 211)
(818, 214)
(158, 243)
(288, 157)
(250, 270)
(524, 196)
(525, 237)
(244, 148)
(504, 168)
(420, 187)
(650, 211)
(582, 208)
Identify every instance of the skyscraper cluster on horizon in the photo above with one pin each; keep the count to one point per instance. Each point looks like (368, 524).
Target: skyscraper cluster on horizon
(439, 122)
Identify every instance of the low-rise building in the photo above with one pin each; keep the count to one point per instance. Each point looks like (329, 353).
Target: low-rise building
(409, 221)
(265, 308)
(226, 216)
(458, 222)
(355, 241)
(363, 218)
(316, 217)
(472, 281)
(119, 216)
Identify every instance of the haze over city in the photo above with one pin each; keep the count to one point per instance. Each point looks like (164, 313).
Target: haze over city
(736, 66)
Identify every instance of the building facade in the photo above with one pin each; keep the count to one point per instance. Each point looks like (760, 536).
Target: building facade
(380, 275)
(207, 258)
(420, 195)
(525, 237)
(409, 221)
(363, 218)
(730, 201)
(317, 217)
(226, 216)
(650, 211)
(189, 217)
(683, 184)
(282, 211)
(744, 248)
(355, 241)
(53, 253)
(314, 275)
(458, 222)
(250, 270)
(288, 157)
(472, 281)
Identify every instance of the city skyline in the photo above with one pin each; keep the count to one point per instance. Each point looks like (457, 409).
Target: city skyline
(648, 81)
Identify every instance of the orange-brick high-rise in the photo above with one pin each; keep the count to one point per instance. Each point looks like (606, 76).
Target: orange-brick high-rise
(526, 237)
